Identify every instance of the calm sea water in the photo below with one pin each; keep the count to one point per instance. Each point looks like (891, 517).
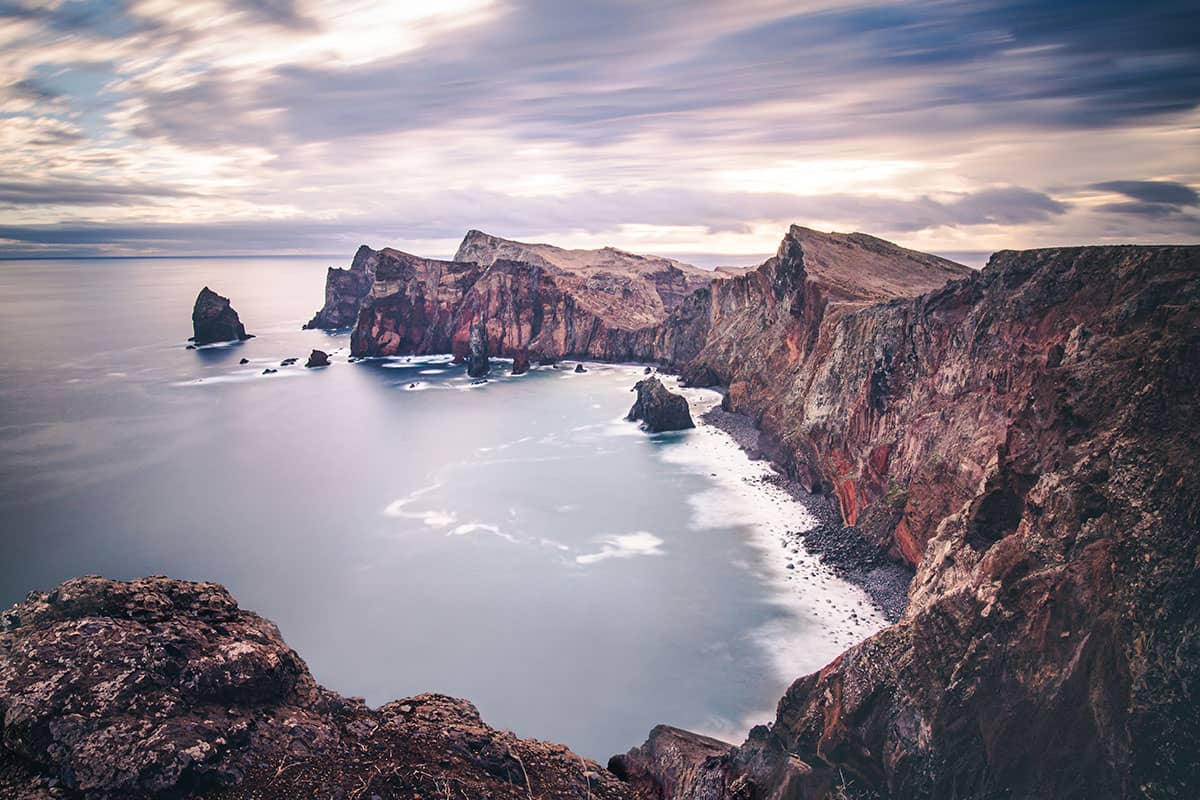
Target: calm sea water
(513, 542)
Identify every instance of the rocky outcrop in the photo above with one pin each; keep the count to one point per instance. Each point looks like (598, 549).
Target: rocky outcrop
(1026, 437)
(477, 359)
(520, 362)
(164, 688)
(658, 408)
(345, 291)
(317, 358)
(548, 302)
(214, 320)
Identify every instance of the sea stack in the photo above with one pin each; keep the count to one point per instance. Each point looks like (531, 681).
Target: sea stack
(658, 408)
(317, 358)
(520, 362)
(477, 361)
(214, 320)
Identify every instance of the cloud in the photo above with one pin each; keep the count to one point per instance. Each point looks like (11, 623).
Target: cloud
(703, 126)
(1153, 192)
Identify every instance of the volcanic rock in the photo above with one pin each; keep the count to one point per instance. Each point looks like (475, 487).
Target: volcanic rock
(1025, 436)
(214, 320)
(345, 291)
(580, 368)
(244, 361)
(477, 359)
(520, 362)
(658, 408)
(157, 687)
(317, 358)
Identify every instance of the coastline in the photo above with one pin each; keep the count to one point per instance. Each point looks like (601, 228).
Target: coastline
(842, 548)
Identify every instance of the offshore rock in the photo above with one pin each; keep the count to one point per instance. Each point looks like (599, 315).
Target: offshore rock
(214, 320)
(1026, 437)
(658, 408)
(520, 362)
(165, 688)
(317, 358)
(477, 361)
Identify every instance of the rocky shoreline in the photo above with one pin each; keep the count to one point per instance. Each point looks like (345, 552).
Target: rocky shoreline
(841, 547)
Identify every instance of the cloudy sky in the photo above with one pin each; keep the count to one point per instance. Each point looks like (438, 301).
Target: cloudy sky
(682, 128)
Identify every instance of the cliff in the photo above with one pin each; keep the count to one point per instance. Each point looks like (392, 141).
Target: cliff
(1026, 437)
(536, 299)
(164, 688)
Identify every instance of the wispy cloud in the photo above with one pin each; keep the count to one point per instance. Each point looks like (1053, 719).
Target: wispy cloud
(154, 126)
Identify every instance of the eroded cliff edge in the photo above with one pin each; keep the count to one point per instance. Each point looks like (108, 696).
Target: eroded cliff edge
(165, 688)
(1027, 437)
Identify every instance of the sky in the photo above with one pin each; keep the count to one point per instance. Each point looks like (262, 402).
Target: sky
(699, 129)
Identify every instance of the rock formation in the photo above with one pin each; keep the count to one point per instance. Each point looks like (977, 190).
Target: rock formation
(1026, 437)
(658, 408)
(317, 358)
(477, 358)
(214, 320)
(549, 302)
(345, 291)
(163, 688)
(520, 362)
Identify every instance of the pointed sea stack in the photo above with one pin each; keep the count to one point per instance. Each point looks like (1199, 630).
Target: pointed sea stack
(318, 358)
(658, 408)
(477, 362)
(214, 320)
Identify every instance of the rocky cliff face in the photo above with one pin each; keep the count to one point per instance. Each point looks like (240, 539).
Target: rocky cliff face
(548, 302)
(345, 291)
(1026, 436)
(164, 688)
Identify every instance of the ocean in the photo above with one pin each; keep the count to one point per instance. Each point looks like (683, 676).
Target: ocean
(514, 542)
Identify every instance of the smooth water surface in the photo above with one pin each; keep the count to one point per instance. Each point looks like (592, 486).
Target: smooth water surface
(513, 542)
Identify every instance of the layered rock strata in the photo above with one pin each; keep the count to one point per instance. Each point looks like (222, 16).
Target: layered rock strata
(1026, 436)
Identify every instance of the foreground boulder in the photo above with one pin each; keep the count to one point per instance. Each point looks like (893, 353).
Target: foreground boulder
(214, 320)
(158, 687)
(317, 358)
(658, 408)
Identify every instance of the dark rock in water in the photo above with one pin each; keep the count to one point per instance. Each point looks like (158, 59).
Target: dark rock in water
(163, 688)
(244, 361)
(318, 358)
(191, 347)
(658, 408)
(580, 368)
(477, 360)
(520, 362)
(214, 320)
(287, 362)
(269, 371)
(412, 386)
(647, 370)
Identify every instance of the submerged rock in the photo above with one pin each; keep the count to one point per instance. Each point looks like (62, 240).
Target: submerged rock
(269, 371)
(477, 359)
(244, 361)
(214, 320)
(520, 362)
(287, 362)
(318, 358)
(658, 408)
(166, 688)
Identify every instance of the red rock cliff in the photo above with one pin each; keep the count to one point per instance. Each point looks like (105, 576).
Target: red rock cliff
(1026, 436)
